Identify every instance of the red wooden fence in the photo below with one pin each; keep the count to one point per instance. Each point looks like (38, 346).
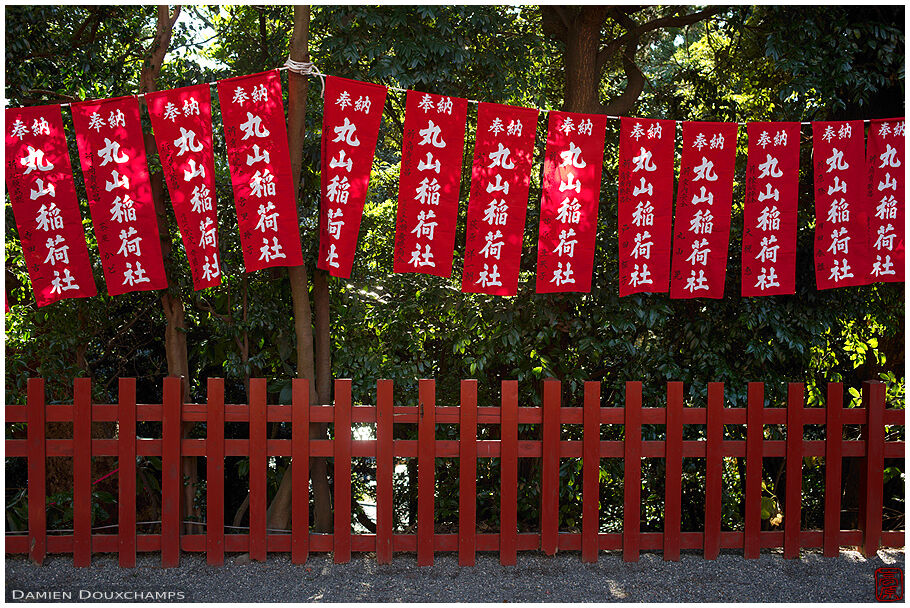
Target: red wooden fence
(82, 543)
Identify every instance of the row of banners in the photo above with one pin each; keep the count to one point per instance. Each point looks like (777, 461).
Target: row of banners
(859, 193)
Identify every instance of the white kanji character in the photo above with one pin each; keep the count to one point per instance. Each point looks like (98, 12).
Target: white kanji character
(837, 186)
(335, 223)
(700, 251)
(208, 236)
(889, 183)
(643, 244)
(187, 142)
(769, 219)
(836, 161)
(840, 270)
(780, 139)
(35, 160)
(585, 127)
(431, 135)
(68, 282)
(344, 100)
(257, 156)
(338, 189)
(569, 185)
(362, 104)
(694, 283)
(499, 186)
(116, 119)
(40, 126)
(171, 112)
(496, 127)
(425, 226)
(769, 168)
(703, 197)
(342, 162)
(191, 108)
(117, 181)
(428, 192)
(566, 244)
(193, 170)
(840, 241)
(422, 259)
(562, 276)
(267, 252)
(768, 194)
(426, 103)
(643, 162)
(493, 246)
(839, 212)
(717, 141)
(767, 279)
(887, 208)
(889, 158)
(637, 131)
(643, 214)
(49, 218)
(20, 129)
(705, 171)
(445, 106)
(496, 213)
(567, 126)
(129, 242)
(700, 141)
(56, 252)
(111, 153)
(253, 127)
(211, 270)
(572, 157)
(644, 187)
(132, 277)
(428, 164)
(640, 277)
(764, 139)
(828, 135)
(844, 131)
(201, 200)
(260, 93)
(569, 211)
(514, 128)
(878, 268)
(267, 221)
(122, 210)
(240, 96)
(262, 184)
(500, 158)
(885, 238)
(95, 121)
(331, 256)
(702, 222)
(41, 190)
(654, 132)
(489, 278)
(768, 249)
(345, 133)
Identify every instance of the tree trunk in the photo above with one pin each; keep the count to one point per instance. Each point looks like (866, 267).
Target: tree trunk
(171, 302)
(582, 73)
(280, 510)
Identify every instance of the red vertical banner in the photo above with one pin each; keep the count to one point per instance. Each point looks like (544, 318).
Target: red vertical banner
(264, 193)
(498, 204)
(182, 121)
(885, 210)
(645, 223)
(769, 217)
(112, 154)
(350, 128)
(39, 179)
(568, 208)
(701, 232)
(431, 155)
(841, 255)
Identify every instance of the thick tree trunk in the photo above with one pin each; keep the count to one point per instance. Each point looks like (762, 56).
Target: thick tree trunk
(582, 72)
(171, 302)
(280, 510)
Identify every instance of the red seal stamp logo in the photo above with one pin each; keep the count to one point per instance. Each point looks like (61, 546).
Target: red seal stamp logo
(889, 585)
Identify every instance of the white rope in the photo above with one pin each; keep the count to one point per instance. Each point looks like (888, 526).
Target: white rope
(305, 68)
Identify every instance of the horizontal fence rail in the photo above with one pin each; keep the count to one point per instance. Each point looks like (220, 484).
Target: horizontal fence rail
(550, 449)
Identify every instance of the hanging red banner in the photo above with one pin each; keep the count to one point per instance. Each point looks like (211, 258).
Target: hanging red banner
(498, 204)
(885, 210)
(428, 187)
(841, 252)
(704, 199)
(645, 204)
(182, 121)
(257, 147)
(770, 214)
(350, 127)
(112, 154)
(39, 180)
(568, 208)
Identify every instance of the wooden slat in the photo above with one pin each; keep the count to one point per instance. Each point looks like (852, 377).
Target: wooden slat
(426, 471)
(37, 467)
(171, 482)
(631, 527)
(549, 475)
(300, 470)
(794, 464)
(342, 475)
(385, 468)
(673, 479)
(714, 469)
(834, 436)
(590, 473)
(258, 469)
(214, 472)
(508, 478)
(126, 441)
(754, 438)
(874, 466)
(82, 472)
(467, 474)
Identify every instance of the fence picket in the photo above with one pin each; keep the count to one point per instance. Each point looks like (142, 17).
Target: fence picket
(673, 480)
(300, 470)
(467, 474)
(714, 469)
(873, 467)
(794, 484)
(342, 475)
(385, 469)
(426, 471)
(82, 472)
(171, 481)
(126, 442)
(37, 463)
(508, 477)
(631, 527)
(214, 473)
(257, 470)
(834, 435)
(549, 473)
(590, 473)
(755, 407)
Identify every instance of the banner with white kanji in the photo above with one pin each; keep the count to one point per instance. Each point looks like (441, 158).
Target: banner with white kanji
(112, 154)
(182, 121)
(257, 147)
(429, 183)
(885, 206)
(39, 180)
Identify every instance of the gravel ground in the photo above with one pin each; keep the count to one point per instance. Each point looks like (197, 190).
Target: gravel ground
(536, 578)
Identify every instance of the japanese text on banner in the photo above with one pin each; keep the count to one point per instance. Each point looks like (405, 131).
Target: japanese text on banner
(40, 183)
(112, 154)
(498, 204)
(770, 215)
(350, 128)
(841, 253)
(571, 194)
(701, 231)
(429, 183)
(182, 121)
(885, 211)
(645, 204)
(264, 193)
